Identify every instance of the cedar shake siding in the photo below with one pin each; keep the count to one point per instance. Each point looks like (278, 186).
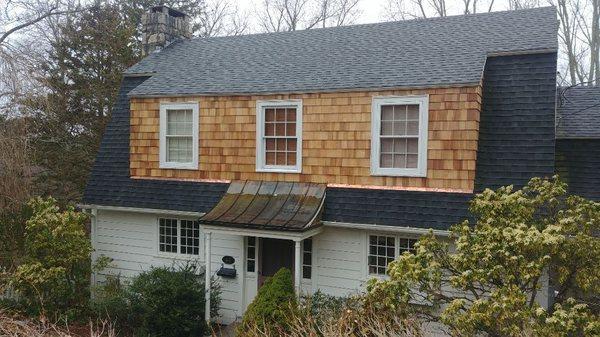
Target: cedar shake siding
(336, 139)
(516, 135)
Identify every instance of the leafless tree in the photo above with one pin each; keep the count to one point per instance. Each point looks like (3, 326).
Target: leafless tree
(579, 36)
(289, 15)
(220, 18)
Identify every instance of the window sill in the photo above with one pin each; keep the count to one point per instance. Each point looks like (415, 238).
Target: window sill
(279, 170)
(177, 256)
(179, 166)
(398, 173)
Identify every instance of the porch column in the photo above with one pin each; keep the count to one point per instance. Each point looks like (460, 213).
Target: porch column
(297, 266)
(207, 274)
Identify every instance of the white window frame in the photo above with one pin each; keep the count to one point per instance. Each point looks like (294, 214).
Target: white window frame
(378, 101)
(397, 238)
(179, 255)
(261, 166)
(163, 163)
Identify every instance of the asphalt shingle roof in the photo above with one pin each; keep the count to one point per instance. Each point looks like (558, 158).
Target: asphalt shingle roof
(415, 53)
(578, 114)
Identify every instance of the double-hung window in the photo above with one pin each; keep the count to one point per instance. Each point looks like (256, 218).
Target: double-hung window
(279, 136)
(178, 236)
(179, 135)
(399, 136)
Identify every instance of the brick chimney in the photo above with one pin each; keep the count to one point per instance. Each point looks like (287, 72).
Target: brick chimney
(161, 26)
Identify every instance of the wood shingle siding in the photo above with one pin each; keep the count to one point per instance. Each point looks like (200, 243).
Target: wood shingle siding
(336, 138)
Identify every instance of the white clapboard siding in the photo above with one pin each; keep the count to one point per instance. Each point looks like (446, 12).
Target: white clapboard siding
(340, 261)
(130, 239)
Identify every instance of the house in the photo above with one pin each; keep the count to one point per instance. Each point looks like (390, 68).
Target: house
(327, 151)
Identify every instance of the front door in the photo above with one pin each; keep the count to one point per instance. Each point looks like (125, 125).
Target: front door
(274, 254)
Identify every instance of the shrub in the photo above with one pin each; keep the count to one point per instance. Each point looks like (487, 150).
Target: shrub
(328, 316)
(272, 306)
(53, 277)
(165, 301)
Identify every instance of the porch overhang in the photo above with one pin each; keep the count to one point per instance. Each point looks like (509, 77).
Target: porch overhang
(287, 208)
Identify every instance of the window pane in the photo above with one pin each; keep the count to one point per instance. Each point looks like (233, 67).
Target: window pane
(411, 161)
(270, 158)
(399, 161)
(412, 128)
(399, 112)
(270, 129)
(387, 160)
(179, 149)
(291, 145)
(413, 112)
(387, 145)
(269, 115)
(291, 129)
(280, 129)
(179, 122)
(291, 158)
(280, 158)
(387, 128)
(280, 115)
(291, 115)
(281, 144)
(399, 128)
(413, 145)
(400, 146)
(387, 112)
(270, 144)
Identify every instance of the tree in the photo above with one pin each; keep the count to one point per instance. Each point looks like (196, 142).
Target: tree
(81, 78)
(490, 279)
(290, 15)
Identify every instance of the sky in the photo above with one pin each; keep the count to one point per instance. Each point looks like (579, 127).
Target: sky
(371, 10)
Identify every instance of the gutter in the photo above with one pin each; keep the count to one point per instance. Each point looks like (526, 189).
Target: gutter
(370, 227)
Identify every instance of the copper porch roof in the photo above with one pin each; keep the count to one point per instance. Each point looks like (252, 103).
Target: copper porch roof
(269, 205)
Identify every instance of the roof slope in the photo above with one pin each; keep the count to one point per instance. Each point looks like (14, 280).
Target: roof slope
(578, 114)
(415, 53)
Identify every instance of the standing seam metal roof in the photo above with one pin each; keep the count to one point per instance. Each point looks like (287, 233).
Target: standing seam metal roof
(414, 53)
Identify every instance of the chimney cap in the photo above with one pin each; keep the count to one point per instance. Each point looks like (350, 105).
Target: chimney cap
(167, 10)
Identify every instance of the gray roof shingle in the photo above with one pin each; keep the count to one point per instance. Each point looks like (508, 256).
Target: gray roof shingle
(578, 114)
(415, 53)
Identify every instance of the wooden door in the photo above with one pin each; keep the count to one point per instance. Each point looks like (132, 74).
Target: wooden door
(274, 254)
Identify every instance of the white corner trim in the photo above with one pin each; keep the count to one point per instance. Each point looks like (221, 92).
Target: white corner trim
(163, 163)
(377, 102)
(140, 210)
(260, 123)
(385, 228)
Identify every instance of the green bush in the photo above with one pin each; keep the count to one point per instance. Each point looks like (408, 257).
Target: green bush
(52, 277)
(272, 306)
(165, 301)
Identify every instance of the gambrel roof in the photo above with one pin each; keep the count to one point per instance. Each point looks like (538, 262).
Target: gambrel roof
(436, 52)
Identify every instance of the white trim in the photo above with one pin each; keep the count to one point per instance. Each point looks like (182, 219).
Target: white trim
(260, 123)
(389, 229)
(261, 233)
(193, 165)
(377, 102)
(141, 210)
